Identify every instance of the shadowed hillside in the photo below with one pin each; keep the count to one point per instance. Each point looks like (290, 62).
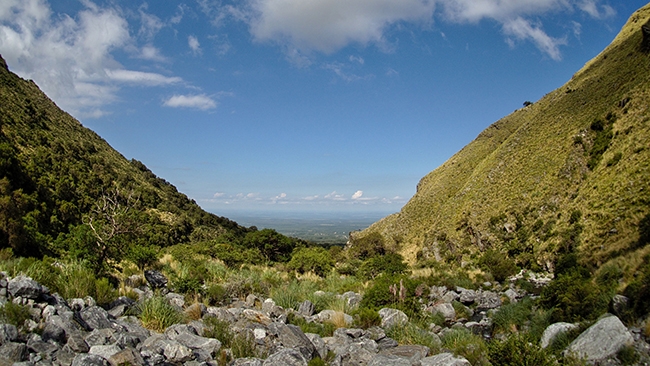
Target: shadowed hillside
(569, 172)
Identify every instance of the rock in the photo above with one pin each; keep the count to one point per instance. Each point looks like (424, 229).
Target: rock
(155, 278)
(619, 304)
(318, 343)
(392, 317)
(25, 287)
(450, 296)
(247, 362)
(253, 301)
(176, 352)
(353, 299)
(413, 353)
(35, 344)
(388, 360)
(602, 340)
(76, 343)
(106, 351)
(386, 343)
(331, 315)
(488, 300)
(286, 357)
(96, 317)
(306, 308)
(188, 337)
(446, 309)
(645, 30)
(553, 331)
(14, 352)
(176, 300)
(8, 333)
(444, 359)
(291, 336)
(256, 316)
(127, 356)
(466, 296)
(512, 295)
(85, 359)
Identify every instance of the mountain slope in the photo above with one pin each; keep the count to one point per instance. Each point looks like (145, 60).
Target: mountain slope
(570, 172)
(63, 188)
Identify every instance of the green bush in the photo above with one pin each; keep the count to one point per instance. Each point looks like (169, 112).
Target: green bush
(390, 264)
(216, 295)
(498, 264)
(512, 317)
(518, 350)
(638, 291)
(14, 314)
(157, 314)
(274, 246)
(143, 256)
(392, 291)
(574, 297)
(471, 346)
(314, 259)
(410, 333)
(365, 318)
(366, 247)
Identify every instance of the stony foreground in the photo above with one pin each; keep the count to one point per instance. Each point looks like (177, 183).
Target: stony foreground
(78, 332)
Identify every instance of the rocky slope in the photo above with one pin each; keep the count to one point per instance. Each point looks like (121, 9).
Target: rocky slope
(569, 171)
(78, 332)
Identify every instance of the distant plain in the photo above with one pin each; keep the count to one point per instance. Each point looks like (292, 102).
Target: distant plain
(317, 227)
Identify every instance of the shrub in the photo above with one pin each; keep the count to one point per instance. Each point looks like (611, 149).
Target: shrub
(628, 355)
(324, 330)
(366, 247)
(397, 292)
(499, 265)
(518, 350)
(215, 295)
(511, 317)
(15, 314)
(243, 345)
(274, 246)
(471, 346)
(143, 256)
(218, 329)
(638, 291)
(390, 264)
(574, 297)
(365, 318)
(157, 314)
(410, 333)
(315, 259)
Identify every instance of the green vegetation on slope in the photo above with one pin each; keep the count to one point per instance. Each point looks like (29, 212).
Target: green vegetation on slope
(64, 192)
(569, 172)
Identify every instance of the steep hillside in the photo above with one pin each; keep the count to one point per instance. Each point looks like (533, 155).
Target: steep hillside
(64, 189)
(569, 172)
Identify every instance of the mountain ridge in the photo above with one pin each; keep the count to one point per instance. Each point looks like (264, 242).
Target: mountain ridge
(522, 186)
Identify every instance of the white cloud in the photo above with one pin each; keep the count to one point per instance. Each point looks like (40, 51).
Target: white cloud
(328, 25)
(522, 29)
(198, 101)
(357, 195)
(149, 52)
(150, 24)
(194, 44)
(70, 58)
(141, 78)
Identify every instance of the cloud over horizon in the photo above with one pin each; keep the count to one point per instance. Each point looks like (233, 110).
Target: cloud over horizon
(197, 101)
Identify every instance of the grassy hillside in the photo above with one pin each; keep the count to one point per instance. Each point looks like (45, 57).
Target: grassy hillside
(64, 190)
(569, 172)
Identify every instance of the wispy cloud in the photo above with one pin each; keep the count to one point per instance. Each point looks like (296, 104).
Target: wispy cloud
(197, 101)
(194, 44)
(71, 58)
(332, 199)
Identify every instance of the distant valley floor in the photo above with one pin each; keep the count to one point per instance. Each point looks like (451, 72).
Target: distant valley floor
(317, 227)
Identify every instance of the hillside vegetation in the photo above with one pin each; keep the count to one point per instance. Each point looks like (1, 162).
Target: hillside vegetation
(567, 173)
(64, 192)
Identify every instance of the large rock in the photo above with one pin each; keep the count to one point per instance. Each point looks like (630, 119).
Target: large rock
(85, 359)
(291, 336)
(602, 340)
(286, 357)
(413, 353)
(155, 278)
(24, 286)
(445, 359)
(392, 317)
(186, 335)
(96, 317)
(488, 300)
(8, 333)
(12, 351)
(388, 360)
(445, 309)
(306, 308)
(553, 331)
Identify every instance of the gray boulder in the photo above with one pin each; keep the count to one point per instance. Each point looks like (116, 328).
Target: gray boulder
(96, 317)
(106, 351)
(25, 287)
(318, 343)
(553, 331)
(412, 353)
(247, 362)
(291, 336)
(446, 309)
(187, 336)
(286, 357)
(155, 278)
(488, 300)
(392, 317)
(306, 308)
(12, 352)
(388, 360)
(445, 359)
(85, 359)
(8, 333)
(602, 340)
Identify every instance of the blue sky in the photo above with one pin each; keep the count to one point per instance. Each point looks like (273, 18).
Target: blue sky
(300, 105)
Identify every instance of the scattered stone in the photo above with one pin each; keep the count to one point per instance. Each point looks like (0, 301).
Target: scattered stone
(446, 309)
(602, 340)
(445, 359)
(392, 317)
(306, 308)
(155, 278)
(25, 287)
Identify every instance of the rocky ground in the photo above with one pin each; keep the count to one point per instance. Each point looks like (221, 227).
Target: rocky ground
(78, 332)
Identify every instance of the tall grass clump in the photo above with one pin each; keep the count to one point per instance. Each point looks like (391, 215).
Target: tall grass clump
(410, 333)
(464, 343)
(157, 314)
